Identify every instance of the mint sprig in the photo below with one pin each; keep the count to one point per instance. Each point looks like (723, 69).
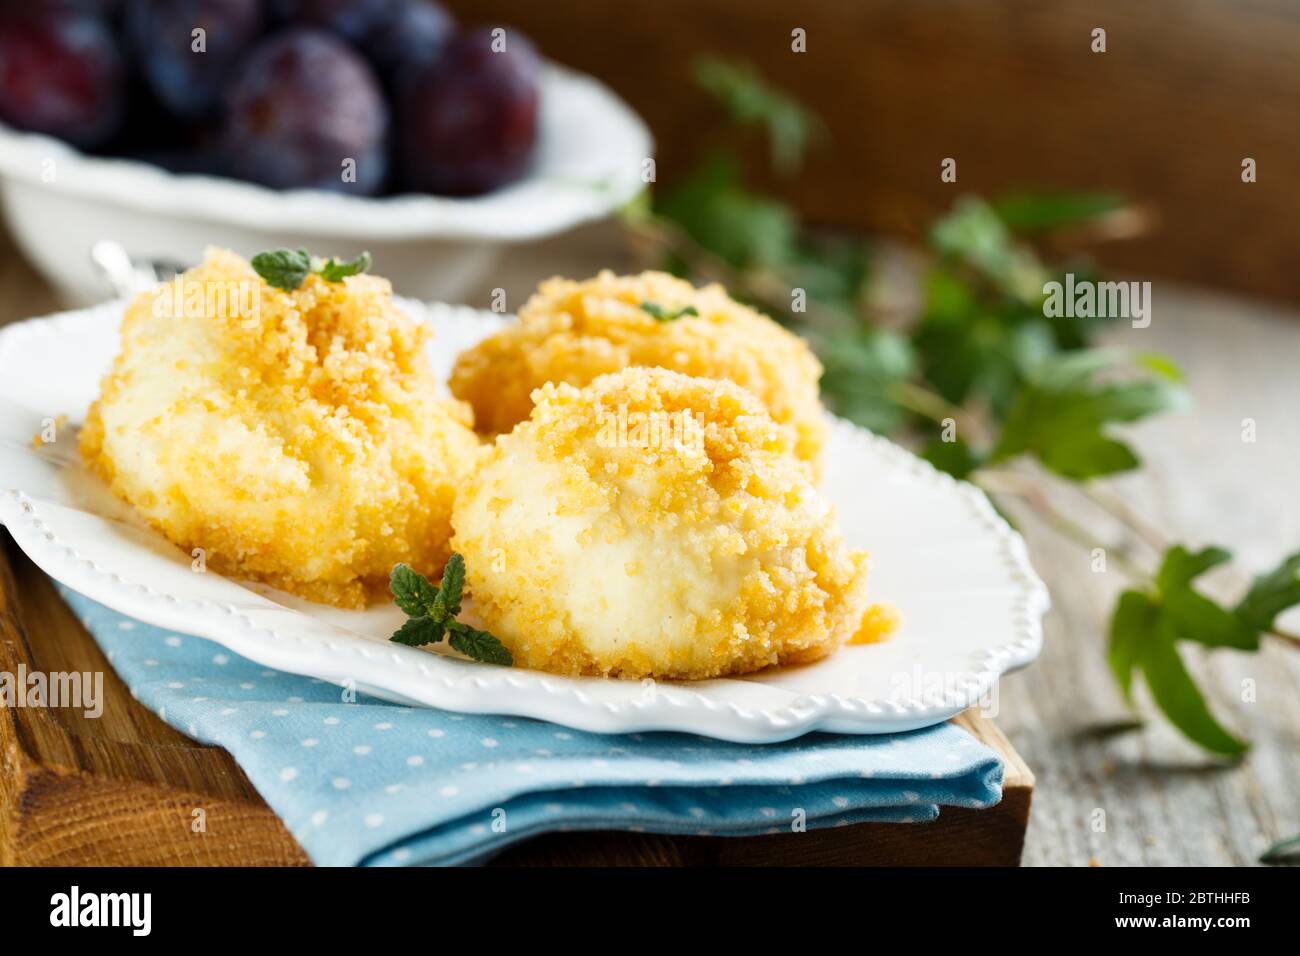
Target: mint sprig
(333, 270)
(664, 314)
(283, 268)
(288, 268)
(432, 611)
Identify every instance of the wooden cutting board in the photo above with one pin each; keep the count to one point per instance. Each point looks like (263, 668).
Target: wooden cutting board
(122, 789)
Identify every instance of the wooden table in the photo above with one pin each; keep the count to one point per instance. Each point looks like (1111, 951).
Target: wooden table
(1165, 802)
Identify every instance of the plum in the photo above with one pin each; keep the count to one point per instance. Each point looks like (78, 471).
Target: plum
(468, 119)
(185, 71)
(395, 34)
(415, 34)
(60, 74)
(305, 111)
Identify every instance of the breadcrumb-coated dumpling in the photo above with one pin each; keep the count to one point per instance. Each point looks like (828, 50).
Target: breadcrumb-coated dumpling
(574, 331)
(654, 524)
(296, 437)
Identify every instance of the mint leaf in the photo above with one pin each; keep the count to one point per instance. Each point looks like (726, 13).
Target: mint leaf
(480, 645)
(283, 268)
(418, 631)
(453, 584)
(662, 314)
(412, 591)
(332, 270)
(433, 613)
(287, 268)
(1060, 415)
(1270, 594)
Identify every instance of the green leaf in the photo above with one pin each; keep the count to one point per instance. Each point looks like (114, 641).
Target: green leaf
(480, 646)
(1158, 364)
(1060, 416)
(332, 270)
(418, 631)
(662, 314)
(860, 368)
(723, 217)
(1284, 851)
(833, 269)
(973, 233)
(1270, 594)
(1196, 617)
(412, 591)
(1031, 212)
(433, 613)
(1134, 621)
(955, 457)
(1146, 627)
(1073, 328)
(750, 101)
(283, 268)
(1177, 696)
(453, 585)
(981, 357)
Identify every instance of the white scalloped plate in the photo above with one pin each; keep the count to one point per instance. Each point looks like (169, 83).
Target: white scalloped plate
(971, 603)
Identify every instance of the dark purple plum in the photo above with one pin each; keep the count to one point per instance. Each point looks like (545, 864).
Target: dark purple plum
(301, 106)
(350, 19)
(396, 35)
(469, 118)
(414, 35)
(60, 74)
(187, 73)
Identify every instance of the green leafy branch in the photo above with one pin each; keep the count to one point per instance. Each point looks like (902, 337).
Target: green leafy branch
(1018, 392)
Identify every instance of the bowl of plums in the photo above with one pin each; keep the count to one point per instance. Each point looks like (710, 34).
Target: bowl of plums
(166, 126)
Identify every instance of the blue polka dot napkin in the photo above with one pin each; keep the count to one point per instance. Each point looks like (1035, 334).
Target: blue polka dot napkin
(374, 783)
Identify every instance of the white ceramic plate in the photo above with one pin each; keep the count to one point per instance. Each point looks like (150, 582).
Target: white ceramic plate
(971, 603)
(59, 202)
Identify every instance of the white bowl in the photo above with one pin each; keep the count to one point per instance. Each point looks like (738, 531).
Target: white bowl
(59, 202)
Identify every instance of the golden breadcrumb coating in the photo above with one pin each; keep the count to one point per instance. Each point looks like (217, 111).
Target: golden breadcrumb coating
(574, 331)
(296, 437)
(879, 623)
(654, 524)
